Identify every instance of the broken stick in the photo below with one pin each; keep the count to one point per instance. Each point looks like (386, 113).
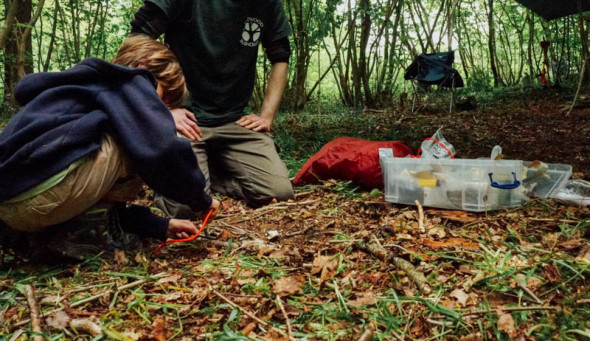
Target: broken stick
(35, 316)
(380, 252)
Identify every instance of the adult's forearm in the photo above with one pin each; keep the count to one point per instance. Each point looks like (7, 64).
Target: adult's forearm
(274, 90)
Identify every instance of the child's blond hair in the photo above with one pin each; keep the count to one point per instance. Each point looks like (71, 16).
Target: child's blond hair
(159, 60)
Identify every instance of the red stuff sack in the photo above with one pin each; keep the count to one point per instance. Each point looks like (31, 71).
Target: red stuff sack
(348, 158)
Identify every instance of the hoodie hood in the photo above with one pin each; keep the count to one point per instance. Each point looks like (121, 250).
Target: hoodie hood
(89, 71)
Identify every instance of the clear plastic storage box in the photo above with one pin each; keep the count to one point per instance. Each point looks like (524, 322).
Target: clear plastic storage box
(465, 184)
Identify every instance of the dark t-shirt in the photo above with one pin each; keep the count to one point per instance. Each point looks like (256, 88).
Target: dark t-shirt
(216, 42)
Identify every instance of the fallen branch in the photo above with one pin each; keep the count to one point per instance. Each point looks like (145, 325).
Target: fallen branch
(247, 313)
(375, 249)
(34, 309)
(289, 330)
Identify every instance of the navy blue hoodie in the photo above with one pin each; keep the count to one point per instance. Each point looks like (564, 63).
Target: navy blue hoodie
(66, 114)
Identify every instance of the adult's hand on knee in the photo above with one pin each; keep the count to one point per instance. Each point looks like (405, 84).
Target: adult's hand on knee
(186, 123)
(180, 229)
(254, 122)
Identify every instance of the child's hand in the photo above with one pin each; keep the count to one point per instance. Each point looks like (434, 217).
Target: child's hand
(215, 206)
(180, 229)
(186, 123)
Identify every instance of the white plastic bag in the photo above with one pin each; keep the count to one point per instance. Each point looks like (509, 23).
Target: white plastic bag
(437, 147)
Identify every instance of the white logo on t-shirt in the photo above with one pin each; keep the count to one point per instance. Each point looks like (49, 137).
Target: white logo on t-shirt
(251, 33)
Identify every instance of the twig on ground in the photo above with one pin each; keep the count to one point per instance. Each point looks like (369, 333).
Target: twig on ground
(300, 232)
(259, 215)
(289, 330)
(368, 334)
(420, 216)
(553, 220)
(34, 310)
(252, 316)
(235, 228)
(529, 292)
(415, 275)
(502, 309)
(584, 300)
(303, 194)
(17, 334)
(439, 323)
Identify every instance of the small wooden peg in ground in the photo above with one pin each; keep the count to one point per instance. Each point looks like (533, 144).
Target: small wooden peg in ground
(34, 308)
(420, 216)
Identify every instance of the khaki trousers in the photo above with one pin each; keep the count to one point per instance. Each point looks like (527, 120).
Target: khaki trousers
(105, 175)
(239, 163)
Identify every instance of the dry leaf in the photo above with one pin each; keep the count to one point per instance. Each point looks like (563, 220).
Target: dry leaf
(170, 279)
(159, 329)
(533, 283)
(319, 262)
(506, 324)
(289, 285)
(572, 244)
(460, 295)
(120, 257)
(438, 232)
(246, 276)
(226, 235)
(140, 257)
(367, 298)
(552, 273)
(326, 265)
(460, 216)
(59, 319)
(584, 257)
(451, 243)
(471, 337)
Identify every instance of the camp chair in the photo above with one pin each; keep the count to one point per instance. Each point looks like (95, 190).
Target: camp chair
(434, 69)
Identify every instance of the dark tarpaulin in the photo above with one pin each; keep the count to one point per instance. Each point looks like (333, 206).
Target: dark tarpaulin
(553, 9)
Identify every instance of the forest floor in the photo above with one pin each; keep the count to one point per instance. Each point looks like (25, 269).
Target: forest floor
(340, 263)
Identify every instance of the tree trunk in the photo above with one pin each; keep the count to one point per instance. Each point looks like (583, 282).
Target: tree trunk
(364, 40)
(17, 53)
(585, 53)
(492, 45)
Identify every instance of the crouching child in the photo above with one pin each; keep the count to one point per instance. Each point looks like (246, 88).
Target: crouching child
(82, 146)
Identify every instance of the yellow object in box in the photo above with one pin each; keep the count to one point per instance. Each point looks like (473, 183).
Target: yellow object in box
(425, 178)
(431, 182)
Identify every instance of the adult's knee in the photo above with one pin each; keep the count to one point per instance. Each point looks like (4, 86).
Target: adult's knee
(280, 190)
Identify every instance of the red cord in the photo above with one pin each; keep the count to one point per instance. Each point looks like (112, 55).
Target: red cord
(169, 241)
(418, 155)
